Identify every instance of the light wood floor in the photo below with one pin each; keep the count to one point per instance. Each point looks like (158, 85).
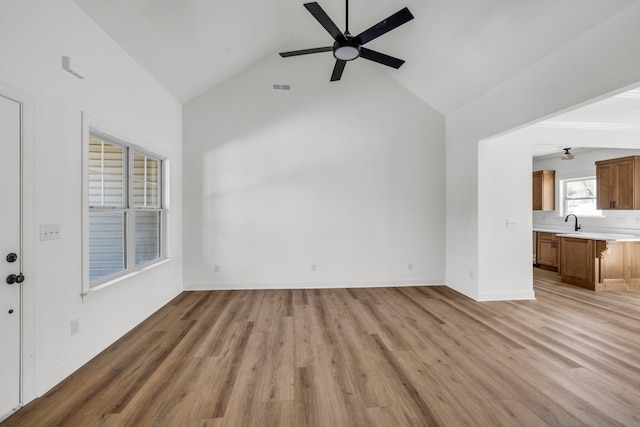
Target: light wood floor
(364, 357)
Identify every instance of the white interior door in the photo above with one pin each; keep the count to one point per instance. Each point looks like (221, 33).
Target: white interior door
(10, 241)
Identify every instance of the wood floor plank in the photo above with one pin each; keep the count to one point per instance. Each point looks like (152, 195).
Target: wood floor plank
(434, 397)
(316, 402)
(277, 414)
(517, 413)
(386, 416)
(279, 363)
(305, 343)
(164, 402)
(300, 297)
(356, 368)
(416, 406)
(545, 380)
(415, 356)
(390, 336)
(245, 397)
(215, 422)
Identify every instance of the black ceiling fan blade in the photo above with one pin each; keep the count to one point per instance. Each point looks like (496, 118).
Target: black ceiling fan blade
(380, 58)
(338, 69)
(306, 51)
(324, 20)
(394, 21)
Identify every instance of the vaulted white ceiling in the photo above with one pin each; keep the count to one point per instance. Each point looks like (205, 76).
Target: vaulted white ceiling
(455, 50)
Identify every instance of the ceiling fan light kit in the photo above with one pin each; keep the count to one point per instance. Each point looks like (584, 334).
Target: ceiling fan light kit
(347, 47)
(346, 52)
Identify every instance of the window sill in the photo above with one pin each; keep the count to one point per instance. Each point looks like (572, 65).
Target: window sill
(124, 277)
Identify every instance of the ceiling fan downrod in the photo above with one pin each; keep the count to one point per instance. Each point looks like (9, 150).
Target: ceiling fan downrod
(346, 31)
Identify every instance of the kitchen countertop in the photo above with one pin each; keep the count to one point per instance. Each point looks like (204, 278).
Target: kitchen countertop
(609, 237)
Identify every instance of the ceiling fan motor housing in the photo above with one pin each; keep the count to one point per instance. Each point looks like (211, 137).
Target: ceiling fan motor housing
(348, 49)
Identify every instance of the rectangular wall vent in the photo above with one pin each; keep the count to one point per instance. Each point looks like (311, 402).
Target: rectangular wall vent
(279, 86)
(72, 67)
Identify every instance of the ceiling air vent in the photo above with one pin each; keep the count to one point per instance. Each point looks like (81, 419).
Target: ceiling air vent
(278, 86)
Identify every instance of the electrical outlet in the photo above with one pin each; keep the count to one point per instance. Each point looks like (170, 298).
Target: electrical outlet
(410, 266)
(216, 269)
(75, 326)
(314, 267)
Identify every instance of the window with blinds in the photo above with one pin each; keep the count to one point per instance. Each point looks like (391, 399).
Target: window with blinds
(125, 219)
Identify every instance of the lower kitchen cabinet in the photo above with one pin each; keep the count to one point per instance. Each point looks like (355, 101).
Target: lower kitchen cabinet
(547, 253)
(599, 265)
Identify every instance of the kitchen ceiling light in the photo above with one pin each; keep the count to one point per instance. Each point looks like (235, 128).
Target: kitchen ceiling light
(567, 155)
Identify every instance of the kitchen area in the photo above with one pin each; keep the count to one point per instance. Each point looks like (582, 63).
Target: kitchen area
(586, 217)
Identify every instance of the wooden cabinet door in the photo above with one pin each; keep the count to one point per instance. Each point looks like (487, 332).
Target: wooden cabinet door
(634, 264)
(605, 180)
(624, 185)
(618, 183)
(537, 191)
(547, 250)
(577, 262)
(612, 262)
(543, 191)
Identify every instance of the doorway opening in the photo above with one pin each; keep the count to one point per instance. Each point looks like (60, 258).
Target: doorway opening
(603, 129)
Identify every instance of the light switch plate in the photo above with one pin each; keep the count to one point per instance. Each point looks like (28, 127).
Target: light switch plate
(49, 231)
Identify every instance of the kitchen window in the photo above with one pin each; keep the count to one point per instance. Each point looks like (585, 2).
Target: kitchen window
(579, 197)
(124, 219)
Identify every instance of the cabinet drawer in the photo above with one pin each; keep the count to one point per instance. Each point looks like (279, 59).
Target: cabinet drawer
(546, 236)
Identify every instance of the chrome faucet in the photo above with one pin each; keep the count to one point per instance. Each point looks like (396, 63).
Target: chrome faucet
(576, 226)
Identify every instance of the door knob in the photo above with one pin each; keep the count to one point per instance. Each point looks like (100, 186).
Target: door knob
(12, 278)
(12, 257)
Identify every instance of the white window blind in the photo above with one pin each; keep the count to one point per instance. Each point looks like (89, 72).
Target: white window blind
(125, 210)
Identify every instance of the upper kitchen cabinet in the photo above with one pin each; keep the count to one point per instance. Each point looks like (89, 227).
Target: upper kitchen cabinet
(544, 185)
(618, 182)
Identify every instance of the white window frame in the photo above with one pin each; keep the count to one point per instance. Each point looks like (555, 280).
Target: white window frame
(564, 199)
(131, 144)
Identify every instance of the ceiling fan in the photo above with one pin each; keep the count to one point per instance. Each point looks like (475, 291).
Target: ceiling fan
(347, 47)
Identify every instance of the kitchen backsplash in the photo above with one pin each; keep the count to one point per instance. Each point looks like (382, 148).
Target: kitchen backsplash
(625, 222)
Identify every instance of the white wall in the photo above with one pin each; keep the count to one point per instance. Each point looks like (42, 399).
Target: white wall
(35, 35)
(348, 176)
(598, 62)
(583, 165)
(502, 168)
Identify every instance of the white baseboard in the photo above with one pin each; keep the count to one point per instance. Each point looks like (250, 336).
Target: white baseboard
(508, 296)
(215, 286)
(495, 296)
